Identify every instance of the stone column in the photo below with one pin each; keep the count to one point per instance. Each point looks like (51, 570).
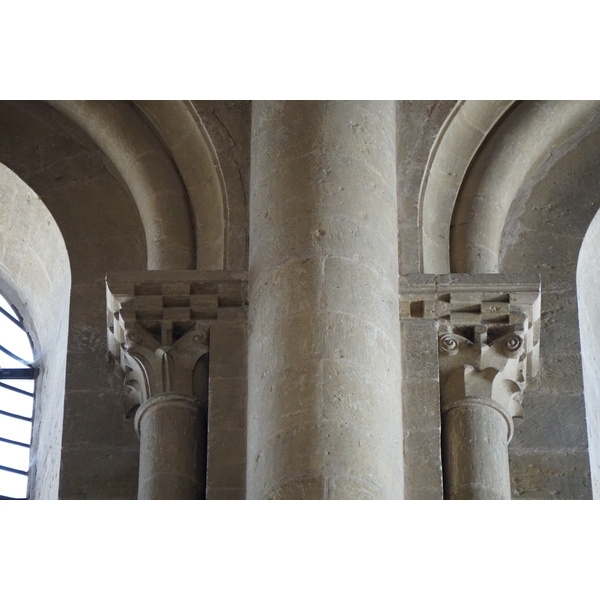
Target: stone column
(324, 415)
(159, 325)
(480, 392)
(172, 448)
(171, 418)
(475, 451)
(488, 347)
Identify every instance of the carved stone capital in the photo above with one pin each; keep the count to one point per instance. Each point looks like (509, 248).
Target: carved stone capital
(159, 326)
(151, 369)
(488, 343)
(491, 374)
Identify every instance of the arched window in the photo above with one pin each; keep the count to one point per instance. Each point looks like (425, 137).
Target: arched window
(17, 375)
(35, 278)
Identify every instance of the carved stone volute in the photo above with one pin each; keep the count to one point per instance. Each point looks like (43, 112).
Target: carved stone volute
(488, 330)
(488, 343)
(485, 373)
(159, 326)
(152, 369)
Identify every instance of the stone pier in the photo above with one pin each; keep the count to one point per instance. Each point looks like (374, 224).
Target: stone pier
(324, 414)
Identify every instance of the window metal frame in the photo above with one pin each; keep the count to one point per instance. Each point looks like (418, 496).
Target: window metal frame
(29, 372)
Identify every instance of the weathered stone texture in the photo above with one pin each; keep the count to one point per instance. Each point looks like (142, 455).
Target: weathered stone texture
(311, 388)
(228, 390)
(322, 237)
(421, 411)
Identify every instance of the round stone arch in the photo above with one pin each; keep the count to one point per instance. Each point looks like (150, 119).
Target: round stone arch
(460, 137)
(528, 210)
(35, 277)
(514, 189)
(518, 153)
(166, 159)
(183, 133)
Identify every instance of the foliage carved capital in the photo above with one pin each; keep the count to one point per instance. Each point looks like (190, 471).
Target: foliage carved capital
(159, 326)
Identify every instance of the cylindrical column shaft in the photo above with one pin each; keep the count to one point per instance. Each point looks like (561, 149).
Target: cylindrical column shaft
(172, 448)
(324, 417)
(475, 452)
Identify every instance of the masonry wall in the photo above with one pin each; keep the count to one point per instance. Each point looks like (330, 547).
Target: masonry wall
(99, 219)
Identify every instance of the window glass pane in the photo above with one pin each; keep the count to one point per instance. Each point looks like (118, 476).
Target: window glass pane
(15, 429)
(7, 362)
(8, 308)
(13, 338)
(27, 385)
(13, 456)
(13, 485)
(15, 403)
